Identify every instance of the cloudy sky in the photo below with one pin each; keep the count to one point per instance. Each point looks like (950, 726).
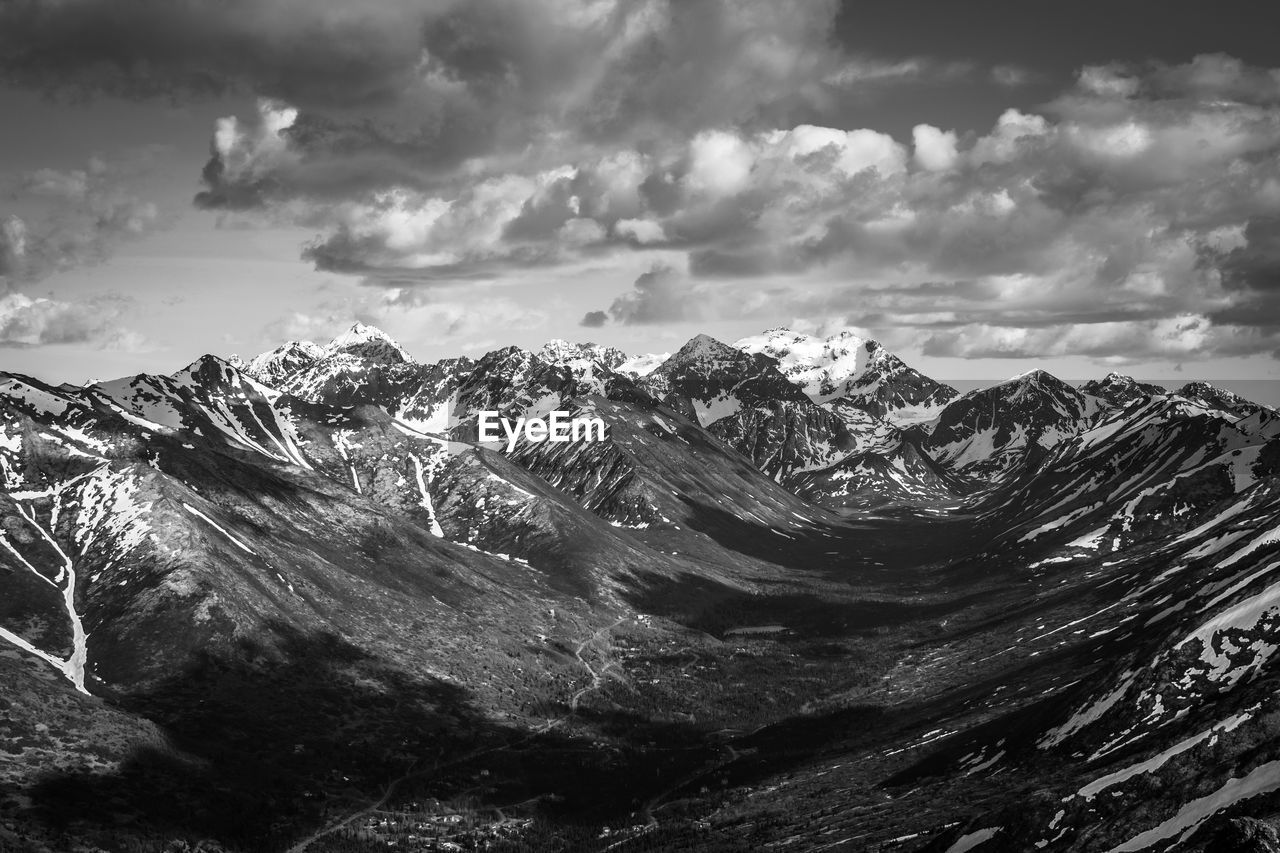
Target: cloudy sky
(1084, 186)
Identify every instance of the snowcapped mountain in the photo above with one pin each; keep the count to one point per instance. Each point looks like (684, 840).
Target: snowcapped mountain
(274, 367)
(1044, 619)
(861, 372)
(642, 365)
(743, 399)
(581, 357)
(992, 431)
(368, 343)
(821, 367)
(1212, 397)
(710, 380)
(1120, 390)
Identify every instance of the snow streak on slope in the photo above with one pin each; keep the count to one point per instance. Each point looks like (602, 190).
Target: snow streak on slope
(1261, 780)
(426, 497)
(99, 507)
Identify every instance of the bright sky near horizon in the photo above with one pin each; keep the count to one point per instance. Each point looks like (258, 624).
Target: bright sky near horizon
(1086, 187)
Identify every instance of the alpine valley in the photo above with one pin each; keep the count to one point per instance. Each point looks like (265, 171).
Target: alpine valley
(801, 597)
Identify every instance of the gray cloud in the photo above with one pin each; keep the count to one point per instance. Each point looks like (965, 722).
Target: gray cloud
(28, 321)
(661, 295)
(82, 216)
(1135, 218)
(594, 319)
(450, 139)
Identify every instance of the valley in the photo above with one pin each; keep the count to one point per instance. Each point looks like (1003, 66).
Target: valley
(800, 597)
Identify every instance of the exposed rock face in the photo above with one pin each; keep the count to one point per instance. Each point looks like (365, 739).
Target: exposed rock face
(991, 432)
(743, 399)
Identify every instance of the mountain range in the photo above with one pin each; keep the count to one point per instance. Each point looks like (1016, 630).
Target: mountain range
(800, 597)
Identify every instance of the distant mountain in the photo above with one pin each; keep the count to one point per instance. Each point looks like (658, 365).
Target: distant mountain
(860, 372)
(743, 399)
(642, 365)
(1120, 390)
(1220, 399)
(581, 357)
(274, 367)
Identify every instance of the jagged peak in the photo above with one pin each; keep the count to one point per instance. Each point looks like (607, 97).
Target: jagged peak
(369, 342)
(1199, 386)
(560, 351)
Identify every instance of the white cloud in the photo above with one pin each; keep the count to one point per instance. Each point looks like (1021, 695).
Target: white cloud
(640, 230)
(935, 150)
(719, 163)
(855, 150)
(27, 321)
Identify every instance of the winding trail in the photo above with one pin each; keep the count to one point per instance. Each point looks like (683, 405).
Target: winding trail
(596, 677)
(413, 774)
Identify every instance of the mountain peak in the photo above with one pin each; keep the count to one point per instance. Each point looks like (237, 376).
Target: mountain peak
(704, 346)
(1120, 389)
(274, 367)
(1212, 397)
(561, 352)
(846, 366)
(1031, 377)
(371, 343)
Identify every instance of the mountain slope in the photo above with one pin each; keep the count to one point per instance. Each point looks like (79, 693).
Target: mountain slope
(993, 431)
(238, 615)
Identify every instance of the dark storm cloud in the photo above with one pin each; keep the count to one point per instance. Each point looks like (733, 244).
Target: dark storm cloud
(298, 49)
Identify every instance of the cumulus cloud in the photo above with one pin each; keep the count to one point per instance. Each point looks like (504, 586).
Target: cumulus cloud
(1136, 217)
(594, 319)
(935, 150)
(661, 295)
(451, 140)
(1132, 198)
(28, 321)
